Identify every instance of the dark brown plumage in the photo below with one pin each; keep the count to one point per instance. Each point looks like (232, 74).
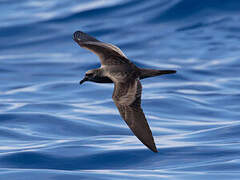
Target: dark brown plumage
(117, 68)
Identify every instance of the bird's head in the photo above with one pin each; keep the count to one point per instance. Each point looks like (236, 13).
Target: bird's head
(90, 75)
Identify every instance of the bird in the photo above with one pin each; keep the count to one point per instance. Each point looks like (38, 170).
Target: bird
(118, 69)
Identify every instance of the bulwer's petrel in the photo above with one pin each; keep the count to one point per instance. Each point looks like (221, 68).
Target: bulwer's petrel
(118, 69)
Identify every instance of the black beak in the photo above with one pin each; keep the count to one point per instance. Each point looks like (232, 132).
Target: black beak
(83, 80)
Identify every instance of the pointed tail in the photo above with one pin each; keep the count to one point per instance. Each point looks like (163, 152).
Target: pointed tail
(146, 73)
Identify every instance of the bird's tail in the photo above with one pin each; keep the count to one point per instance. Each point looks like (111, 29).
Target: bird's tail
(146, 73)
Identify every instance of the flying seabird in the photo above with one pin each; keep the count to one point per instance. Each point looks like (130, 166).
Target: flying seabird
(118, 69)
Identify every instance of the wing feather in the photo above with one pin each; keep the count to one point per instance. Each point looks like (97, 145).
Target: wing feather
(105, 51)
(127, 97)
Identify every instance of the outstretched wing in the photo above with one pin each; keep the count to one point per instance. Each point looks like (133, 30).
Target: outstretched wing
(127, 97)
(108, 53)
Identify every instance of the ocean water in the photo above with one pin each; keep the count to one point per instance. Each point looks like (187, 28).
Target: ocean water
(52, 128)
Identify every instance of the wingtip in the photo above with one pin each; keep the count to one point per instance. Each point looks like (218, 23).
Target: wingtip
(151, 146)
(153, 149)
(77, 35)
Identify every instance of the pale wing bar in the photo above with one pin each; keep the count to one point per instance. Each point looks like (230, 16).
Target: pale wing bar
(108, 53)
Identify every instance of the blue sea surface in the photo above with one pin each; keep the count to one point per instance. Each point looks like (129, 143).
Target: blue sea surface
(51, 128)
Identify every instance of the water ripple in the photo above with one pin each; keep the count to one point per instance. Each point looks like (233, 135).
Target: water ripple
(53, 128)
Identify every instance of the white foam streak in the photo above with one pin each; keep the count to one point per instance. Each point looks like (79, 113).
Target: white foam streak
(94, 5)
(34, 55)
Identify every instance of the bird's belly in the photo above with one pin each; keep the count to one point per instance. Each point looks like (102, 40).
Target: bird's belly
(102, 80)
